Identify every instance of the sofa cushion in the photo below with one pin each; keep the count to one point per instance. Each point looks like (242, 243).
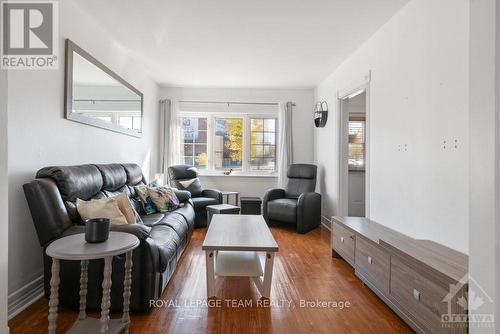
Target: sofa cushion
(188, 213)
(153, 219)
(283, 209)
(201, 203)
(113, 176)
(74, 182)
(167, 241)
(177, 222)
(134, 174)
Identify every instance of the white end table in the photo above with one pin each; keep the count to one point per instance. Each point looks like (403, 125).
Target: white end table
(74, 247)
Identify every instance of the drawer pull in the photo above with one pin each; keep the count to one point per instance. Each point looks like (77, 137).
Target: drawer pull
(370, 260)
(352, 237)
(416, 294)
(341, 239)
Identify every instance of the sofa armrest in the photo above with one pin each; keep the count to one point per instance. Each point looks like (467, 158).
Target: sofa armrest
(182, 195)
(271, 195)
(308, 211)
(139, 230)
(213, 193)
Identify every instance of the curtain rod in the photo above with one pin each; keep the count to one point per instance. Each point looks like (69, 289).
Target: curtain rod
(228, 103)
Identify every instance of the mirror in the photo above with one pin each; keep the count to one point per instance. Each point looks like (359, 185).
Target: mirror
(97, 96)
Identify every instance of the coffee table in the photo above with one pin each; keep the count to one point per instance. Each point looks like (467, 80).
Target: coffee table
(239, 245)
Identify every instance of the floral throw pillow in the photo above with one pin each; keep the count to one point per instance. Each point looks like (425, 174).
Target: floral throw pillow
(146, 200)
(164, 198)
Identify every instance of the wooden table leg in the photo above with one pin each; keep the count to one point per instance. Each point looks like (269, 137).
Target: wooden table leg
(106, 295)
(54, 296)
(84, 264)
(268, 275)
(209, 255)
(127, 291)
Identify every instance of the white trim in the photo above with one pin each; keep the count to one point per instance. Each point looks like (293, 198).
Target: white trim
(342, 95)
(22, 298)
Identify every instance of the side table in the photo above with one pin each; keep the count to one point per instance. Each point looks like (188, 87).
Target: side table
(229, 193)
(74, 247)
(222, 209)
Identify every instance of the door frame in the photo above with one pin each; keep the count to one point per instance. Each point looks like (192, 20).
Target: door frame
(343, 175)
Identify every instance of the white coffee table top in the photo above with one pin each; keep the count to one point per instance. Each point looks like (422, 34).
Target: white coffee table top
(239, 233)
(74, 247)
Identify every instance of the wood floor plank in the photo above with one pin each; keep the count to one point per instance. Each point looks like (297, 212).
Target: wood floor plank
(303, 271)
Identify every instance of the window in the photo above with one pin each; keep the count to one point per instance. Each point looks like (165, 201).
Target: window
(194, 149)
(228, 143)
(356, 145)
(245, 143)
(262, 144)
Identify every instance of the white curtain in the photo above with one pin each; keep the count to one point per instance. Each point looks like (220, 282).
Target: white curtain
(169, 135)
(286, 139)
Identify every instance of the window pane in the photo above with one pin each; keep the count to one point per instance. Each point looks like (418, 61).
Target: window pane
(270, 125)
(256, 151)
(263, 144)
(188, 149)
(356, 145)
(270, 138)
(256, 124)
(269, 151)
(257, 138)
(194, 143)
(228, 142)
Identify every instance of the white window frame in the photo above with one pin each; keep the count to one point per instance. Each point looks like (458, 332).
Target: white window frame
(245, 168)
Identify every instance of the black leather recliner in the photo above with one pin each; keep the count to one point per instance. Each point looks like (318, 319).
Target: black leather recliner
(185, 177)
(163, 236)
(297, 203)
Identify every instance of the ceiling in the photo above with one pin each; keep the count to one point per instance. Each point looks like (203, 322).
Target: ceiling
(241, 43)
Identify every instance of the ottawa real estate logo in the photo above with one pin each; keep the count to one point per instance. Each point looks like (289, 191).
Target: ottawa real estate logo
(30, 36)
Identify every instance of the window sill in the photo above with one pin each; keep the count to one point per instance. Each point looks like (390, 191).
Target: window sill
(239, 175)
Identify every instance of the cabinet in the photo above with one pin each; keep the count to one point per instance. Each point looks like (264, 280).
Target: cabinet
(411, 276)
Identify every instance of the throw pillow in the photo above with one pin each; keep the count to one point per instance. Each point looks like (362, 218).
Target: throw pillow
(127, 209)
(164, 198)
(147, 202)
(101, 208)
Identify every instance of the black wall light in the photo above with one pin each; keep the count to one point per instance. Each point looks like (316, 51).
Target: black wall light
(320, 114)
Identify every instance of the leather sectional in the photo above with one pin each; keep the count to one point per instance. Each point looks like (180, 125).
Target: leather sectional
(163, 237)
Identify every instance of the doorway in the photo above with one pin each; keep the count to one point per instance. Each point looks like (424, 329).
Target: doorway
(353, 160)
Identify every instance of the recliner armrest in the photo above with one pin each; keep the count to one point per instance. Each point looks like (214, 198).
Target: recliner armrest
(213, 193)
(271, 195)
(308, 211)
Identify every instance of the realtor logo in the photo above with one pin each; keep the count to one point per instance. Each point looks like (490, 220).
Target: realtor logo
(29, 34)
(472, 300)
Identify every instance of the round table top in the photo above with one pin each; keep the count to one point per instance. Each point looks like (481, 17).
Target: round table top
(74, 247)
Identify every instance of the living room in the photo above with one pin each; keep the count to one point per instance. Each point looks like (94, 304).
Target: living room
(340, 158)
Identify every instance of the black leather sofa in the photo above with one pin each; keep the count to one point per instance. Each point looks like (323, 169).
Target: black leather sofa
(296, 204)
(186, 178)
(163, 237)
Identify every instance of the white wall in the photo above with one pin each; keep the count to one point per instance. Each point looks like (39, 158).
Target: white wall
(302, 128)
(4, 225)
(40, 136)
(418, 96)
(483, 231)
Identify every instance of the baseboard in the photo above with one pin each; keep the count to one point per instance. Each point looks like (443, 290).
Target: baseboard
(327, 223)
(25, 296)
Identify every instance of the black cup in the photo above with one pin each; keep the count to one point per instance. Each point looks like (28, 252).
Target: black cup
(97, 230)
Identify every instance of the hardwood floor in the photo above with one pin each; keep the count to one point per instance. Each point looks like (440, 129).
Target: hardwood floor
(303, 270)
